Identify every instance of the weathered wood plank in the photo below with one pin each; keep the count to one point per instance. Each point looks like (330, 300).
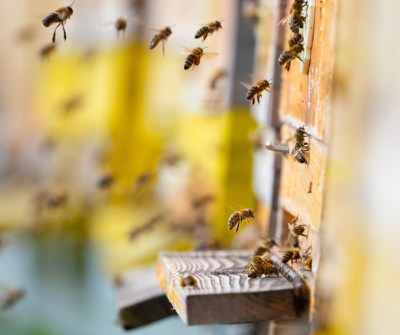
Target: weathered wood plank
(223, 293)
(140, 299)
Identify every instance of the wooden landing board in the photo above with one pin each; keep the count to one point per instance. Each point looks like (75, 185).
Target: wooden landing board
(224, 293)
(141, 300)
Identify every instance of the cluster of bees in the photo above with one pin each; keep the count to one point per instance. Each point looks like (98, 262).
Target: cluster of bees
(296, 20)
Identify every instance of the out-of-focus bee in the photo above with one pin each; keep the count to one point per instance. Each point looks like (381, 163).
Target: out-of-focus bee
(171, 159)
(120, 25)
(294, 241)
(194, 56)
(308, 263)
(105, 181)
(217, 76)
(291, 255)
(250, 10)
(57, 199)
(262, 266)
(46, 51)
(188, 280)
(237, 217)
(60, 16)
(26, 34)
(72, 103)
(208, 29)
(162, 37)
(268, 244)
(255, 91)
(203, 200)
(150, 224)
(297, 229)
(11, 297)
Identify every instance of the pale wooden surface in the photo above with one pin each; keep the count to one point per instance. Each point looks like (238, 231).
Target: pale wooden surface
(224, 293)
(140, 299)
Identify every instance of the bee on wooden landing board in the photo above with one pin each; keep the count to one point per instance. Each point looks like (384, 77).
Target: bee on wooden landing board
(194, 56)
(261, 266)
(208, 29)
(60, 16)
(237, 217)
(188, 280)
(255, 91)
(162, 37)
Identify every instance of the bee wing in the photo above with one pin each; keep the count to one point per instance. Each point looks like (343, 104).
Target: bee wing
(185, 51)
(284, 20)
(210, 55)
(247, 85)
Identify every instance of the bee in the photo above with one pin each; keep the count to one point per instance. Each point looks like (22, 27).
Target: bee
(261, 266)
(162, 37)
(47, 50)
(300, 150)
(209, 28)
(237, 217)
(60, 16)
(72, 103)
(120, 25)
(255, 91)
(291, 255)
(308, 264)
(297, 229)
(201, 201)
(218, 75)
(250, 10)
(194, 56)
(310, 187)
(287, 56)
(150, 224)
(12, 296)
(105, 181)
(296, 39)
(188, 280)
(268, 244)
(294, 241)
(57, 199)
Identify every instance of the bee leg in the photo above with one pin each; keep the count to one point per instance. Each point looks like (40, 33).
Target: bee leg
(258, 98)
(65, 33)
(54, 33)
(253, 100)
(163, 48)
(237, 227)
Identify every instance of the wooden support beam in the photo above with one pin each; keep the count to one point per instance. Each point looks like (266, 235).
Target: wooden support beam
(212, 287)
(141, 300)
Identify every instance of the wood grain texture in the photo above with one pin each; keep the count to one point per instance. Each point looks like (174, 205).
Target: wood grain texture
(224, 293)
(141, 300)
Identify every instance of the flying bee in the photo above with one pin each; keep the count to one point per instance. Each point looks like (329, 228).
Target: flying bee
(120, 25)
(255, 92)
(268, 244)
(218, 75)
(47, 50)
(60, 16)
(194, 56)
(11, 297)
(250, 10)
(162, 37)
(202, 200)
(188, 280)
(57, 199)
(105, 181)
(291, 255)
(208, 29)
(147, 226)
(297, 229)
(237, 217)
(262, 266)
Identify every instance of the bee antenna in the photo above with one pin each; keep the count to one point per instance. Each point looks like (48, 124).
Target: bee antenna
(72, 4)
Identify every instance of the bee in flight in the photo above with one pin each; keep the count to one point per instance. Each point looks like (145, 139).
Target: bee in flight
(237, 217)
(208, 29)
(59, 16)
(194, 56)
(255, 92)
(120, 25)
(11, 297)
(162, 37)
